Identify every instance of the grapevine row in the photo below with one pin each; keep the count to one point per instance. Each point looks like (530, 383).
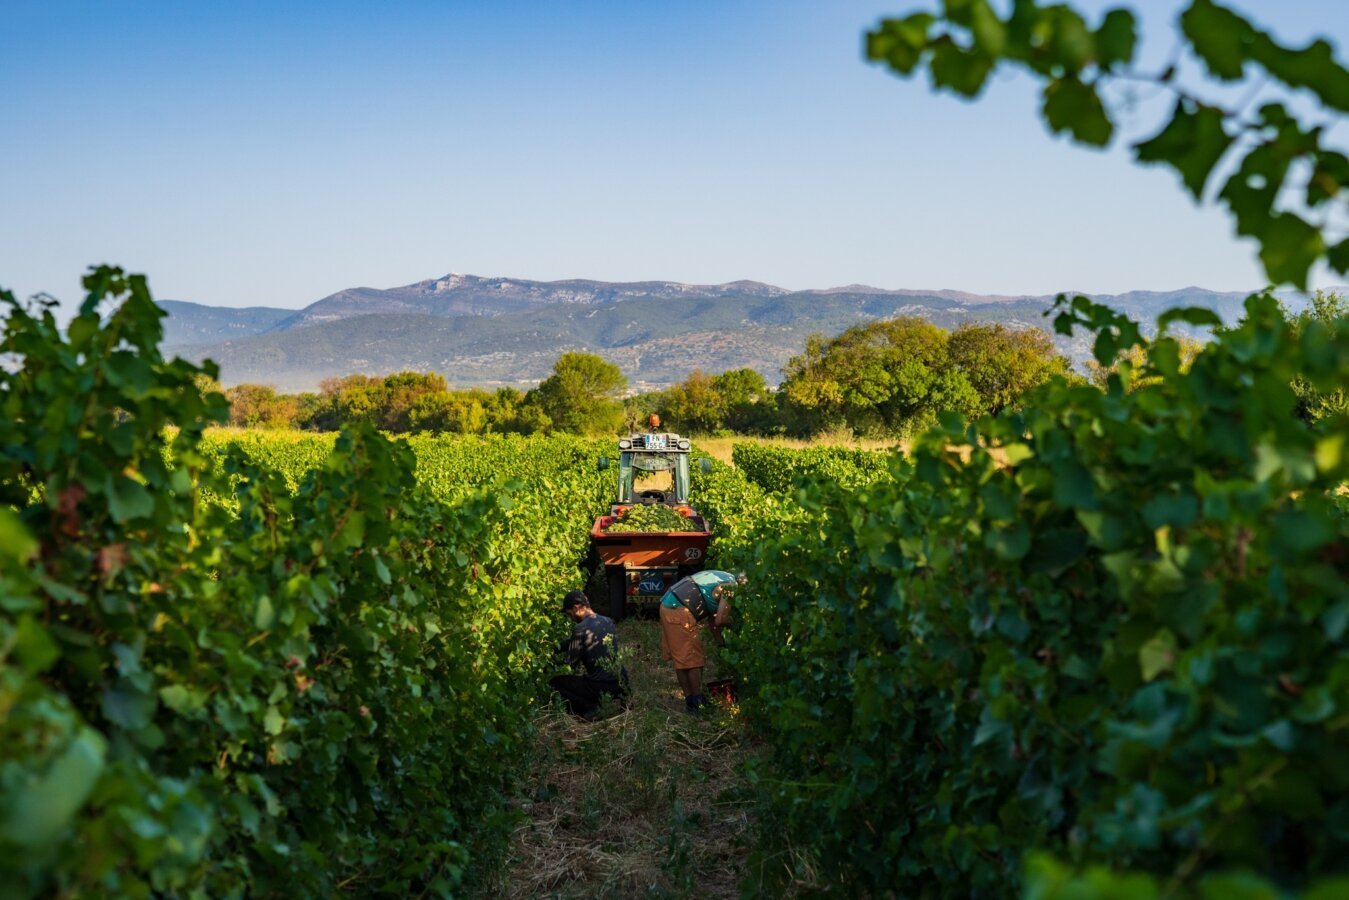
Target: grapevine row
(231, 666)
(776, 469)
(1112, 628)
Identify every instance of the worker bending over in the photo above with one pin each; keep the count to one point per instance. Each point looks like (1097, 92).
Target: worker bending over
(702, 598)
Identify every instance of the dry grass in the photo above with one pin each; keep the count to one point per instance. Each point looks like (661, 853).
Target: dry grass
(648, 802)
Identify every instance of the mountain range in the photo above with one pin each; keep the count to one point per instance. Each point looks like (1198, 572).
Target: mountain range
(492, 331)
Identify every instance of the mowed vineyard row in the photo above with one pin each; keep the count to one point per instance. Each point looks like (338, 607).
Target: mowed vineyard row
(1109, 628)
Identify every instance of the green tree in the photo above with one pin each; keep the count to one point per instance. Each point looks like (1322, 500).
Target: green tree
(409, 401)
(529, 418)
(1003, 363)
(260, 406)
(879, 378)
(348, 400)
(502, 408)
(402, 391)
(309, 405)
(750, 405)
(581, 396)
(695, 404)
(456, 412)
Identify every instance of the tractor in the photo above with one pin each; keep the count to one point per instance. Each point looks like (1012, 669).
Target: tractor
(639, 567)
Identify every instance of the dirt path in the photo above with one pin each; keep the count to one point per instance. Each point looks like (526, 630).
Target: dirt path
(646, 803)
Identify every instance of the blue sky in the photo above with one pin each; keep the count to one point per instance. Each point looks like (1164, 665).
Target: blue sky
(246, 153)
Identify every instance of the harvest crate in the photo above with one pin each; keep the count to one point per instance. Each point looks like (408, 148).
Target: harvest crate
(650, 548)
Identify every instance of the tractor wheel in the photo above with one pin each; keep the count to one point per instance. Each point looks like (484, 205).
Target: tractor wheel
(618, 593)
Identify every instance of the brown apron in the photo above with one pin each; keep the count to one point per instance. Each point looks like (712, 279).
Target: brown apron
(680, 641)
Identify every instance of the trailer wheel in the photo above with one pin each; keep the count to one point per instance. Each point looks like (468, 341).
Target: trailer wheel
(597, 585)
(618, 593)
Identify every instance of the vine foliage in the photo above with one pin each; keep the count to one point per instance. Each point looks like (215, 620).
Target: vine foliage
(1112, 627)
(221, 675)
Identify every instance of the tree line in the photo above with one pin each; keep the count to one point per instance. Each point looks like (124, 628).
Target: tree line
(580, 397)
(884, 379)
(878, 379)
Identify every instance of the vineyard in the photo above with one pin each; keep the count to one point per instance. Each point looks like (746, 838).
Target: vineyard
(1104, 633)
(1097, 646)
(242, 665)
(776, 470)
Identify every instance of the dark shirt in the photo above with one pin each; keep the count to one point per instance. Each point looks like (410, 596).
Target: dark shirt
(594, 644)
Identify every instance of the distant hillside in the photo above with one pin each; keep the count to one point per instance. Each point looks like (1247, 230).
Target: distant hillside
(470, 295)
(499, 330)
(193, 323)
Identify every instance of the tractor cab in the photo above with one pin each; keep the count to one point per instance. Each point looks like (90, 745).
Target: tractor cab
(653, 468)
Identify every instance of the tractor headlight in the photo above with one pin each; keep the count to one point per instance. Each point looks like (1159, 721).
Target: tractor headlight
(625, 444)
(683, 445)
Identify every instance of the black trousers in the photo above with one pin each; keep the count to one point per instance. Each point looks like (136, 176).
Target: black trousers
(583, 695)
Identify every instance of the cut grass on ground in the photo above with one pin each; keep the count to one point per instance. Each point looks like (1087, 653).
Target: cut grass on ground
(648, 802)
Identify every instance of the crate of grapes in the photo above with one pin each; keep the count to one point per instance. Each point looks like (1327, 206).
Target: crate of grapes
(651, 536)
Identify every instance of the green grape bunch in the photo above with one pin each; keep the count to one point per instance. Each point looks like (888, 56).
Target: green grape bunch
(649, 519)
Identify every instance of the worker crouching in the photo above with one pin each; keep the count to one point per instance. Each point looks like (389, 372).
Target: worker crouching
(701, 599)
(593, 647)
